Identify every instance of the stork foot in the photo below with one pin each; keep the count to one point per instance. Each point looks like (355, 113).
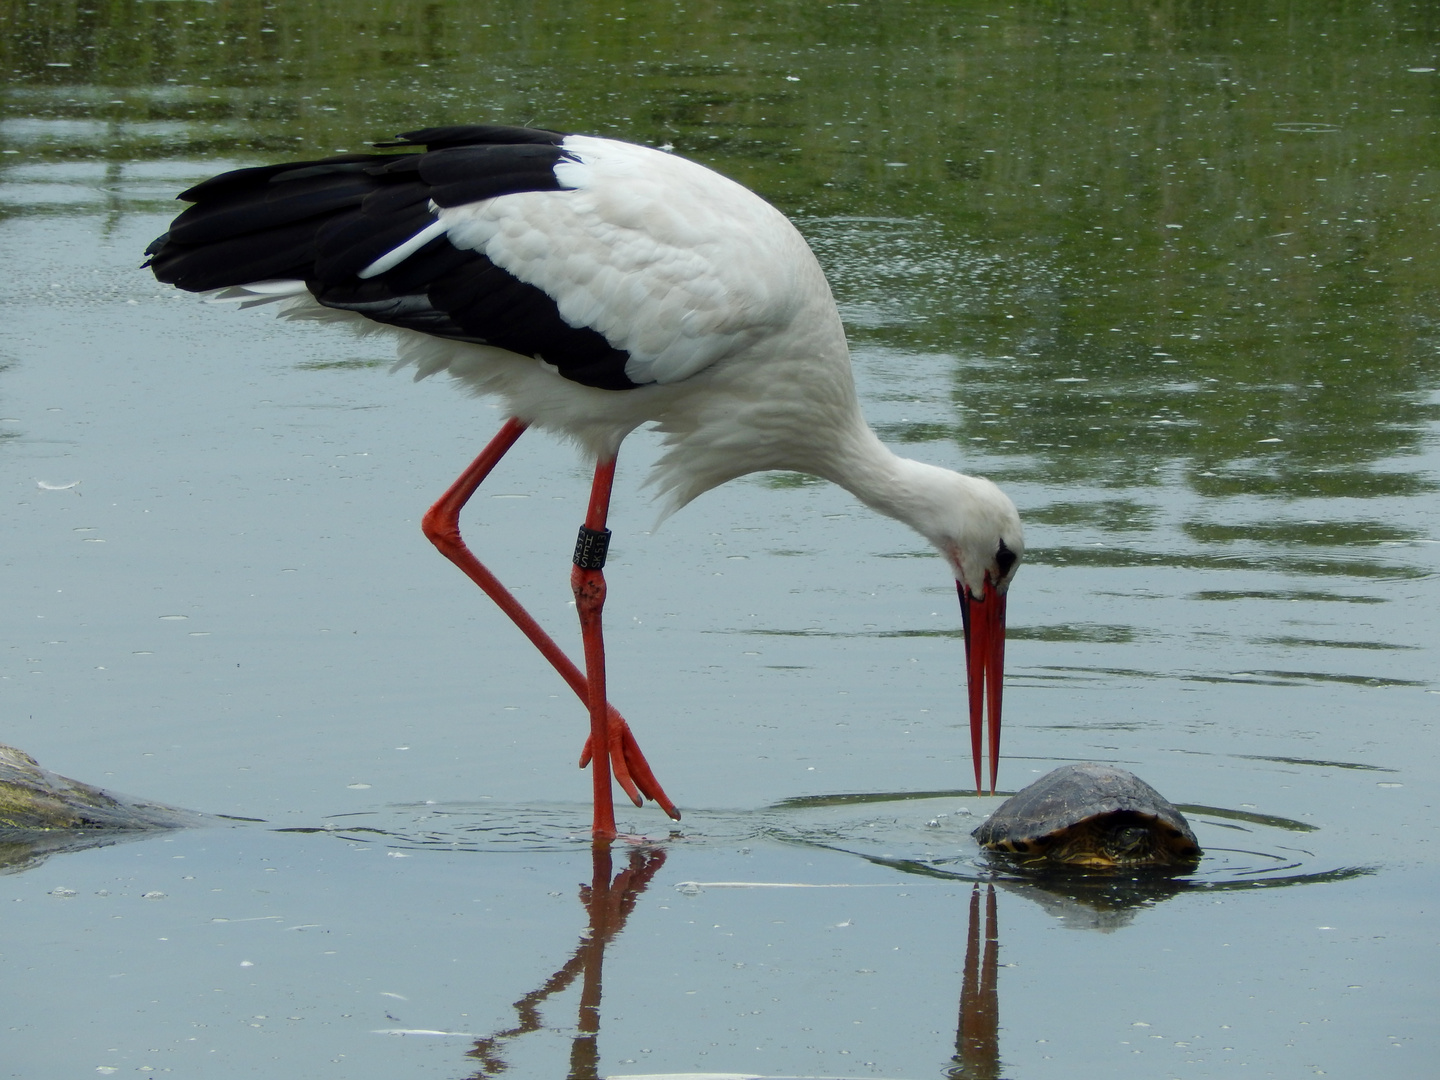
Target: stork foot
(632, 772)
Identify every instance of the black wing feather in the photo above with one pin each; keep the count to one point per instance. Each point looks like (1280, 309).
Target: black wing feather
(285, 202)
(244, 179)
(325, 221)
(465, 174)
(347, 243)
(283, 252)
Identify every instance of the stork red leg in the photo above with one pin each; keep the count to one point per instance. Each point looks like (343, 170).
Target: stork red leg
(442, 526)
(587, 579)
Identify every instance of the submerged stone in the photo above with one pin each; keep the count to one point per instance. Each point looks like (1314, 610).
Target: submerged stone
(34, 799)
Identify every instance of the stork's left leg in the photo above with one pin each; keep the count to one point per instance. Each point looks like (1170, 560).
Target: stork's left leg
(588, 581)
(611, 744)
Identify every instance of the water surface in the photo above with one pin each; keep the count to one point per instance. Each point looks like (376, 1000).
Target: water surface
(1166, 272)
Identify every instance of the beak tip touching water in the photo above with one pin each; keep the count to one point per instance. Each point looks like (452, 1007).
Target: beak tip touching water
(984, 621)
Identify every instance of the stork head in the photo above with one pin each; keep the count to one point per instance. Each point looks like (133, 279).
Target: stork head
(983, 540)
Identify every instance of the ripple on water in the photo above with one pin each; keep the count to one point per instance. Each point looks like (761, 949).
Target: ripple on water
(476, 827)
(928, 834)
(925, 834)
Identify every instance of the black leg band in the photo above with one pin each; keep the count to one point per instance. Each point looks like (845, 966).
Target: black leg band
(590, 548)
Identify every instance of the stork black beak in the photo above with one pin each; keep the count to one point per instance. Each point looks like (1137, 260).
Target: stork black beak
(984, 670)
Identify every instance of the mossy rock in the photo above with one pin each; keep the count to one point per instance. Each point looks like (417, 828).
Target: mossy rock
(33, 799)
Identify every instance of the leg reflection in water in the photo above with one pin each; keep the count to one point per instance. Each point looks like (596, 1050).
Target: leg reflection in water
(608, 901)
(977, 1040)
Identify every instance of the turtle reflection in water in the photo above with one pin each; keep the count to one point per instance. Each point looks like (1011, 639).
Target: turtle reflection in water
(1096, 817)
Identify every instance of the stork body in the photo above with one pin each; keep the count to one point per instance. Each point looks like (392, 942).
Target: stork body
(595, 286)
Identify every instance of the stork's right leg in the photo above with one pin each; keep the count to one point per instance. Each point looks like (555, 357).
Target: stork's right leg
(442, 525)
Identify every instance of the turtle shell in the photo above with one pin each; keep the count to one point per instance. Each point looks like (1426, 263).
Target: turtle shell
(1094, 816)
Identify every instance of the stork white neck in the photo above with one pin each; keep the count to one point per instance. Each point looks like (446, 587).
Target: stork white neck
(964, 517)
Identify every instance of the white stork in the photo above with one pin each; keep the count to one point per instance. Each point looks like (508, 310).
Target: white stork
(594, 286)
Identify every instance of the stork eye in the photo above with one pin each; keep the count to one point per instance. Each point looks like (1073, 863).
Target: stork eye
(1004, 559)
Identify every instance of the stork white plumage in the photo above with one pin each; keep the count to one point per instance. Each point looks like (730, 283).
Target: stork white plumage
(594, 286)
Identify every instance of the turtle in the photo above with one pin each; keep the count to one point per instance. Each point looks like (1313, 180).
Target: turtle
(1098, 817)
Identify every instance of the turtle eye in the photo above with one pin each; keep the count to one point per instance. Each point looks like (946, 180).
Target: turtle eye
(1004, 559)
(1131, 838)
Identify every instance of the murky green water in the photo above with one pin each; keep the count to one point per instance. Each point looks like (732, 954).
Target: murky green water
(1166, 271)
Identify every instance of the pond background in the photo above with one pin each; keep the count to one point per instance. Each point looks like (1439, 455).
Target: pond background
(1166, 271)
